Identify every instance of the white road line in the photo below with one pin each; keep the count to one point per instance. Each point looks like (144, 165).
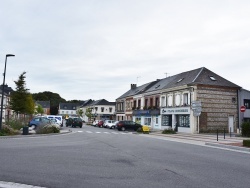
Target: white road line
(16, 185)
(79, 131)
(106, 132)
(97, 132)
(114, 133)
(89, 131)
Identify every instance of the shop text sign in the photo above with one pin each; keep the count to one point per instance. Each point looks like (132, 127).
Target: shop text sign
(175, 110)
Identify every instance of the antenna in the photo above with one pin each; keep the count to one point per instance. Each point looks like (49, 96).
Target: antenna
(166, 74)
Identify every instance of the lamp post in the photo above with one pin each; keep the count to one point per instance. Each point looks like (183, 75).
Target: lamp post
(1, 115)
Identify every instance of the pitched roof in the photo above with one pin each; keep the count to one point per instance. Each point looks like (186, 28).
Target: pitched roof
(101, 102)
(68, 106)
(193, 77)
(44, 104)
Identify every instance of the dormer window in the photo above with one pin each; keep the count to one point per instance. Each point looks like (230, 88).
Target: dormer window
(157, 86)
(212, 78)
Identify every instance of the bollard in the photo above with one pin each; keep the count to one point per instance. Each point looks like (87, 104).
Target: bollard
(224, 133)
(217, 135)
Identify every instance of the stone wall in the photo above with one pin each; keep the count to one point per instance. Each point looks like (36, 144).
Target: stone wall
(217, 104)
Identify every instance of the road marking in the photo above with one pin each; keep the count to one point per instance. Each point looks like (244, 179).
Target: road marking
(79, 131)
(114, 133)
(97, 132)
(106, 132)
(16, 185)
(89, 131)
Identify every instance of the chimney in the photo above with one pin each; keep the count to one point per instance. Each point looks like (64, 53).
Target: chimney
(133, 86)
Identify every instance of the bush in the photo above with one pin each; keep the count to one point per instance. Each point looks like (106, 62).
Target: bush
(47, 129)
(246, 143)
(7, 130)
(245, 129)
(168, 131)
(16, 123)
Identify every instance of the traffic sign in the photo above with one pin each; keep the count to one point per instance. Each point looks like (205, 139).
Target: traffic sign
(195, 104)
(242, 108)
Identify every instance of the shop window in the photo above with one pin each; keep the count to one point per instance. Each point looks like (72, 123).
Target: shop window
(183, 121)
(247, 103)
(138, 120)
(167, 120)
(147, 121)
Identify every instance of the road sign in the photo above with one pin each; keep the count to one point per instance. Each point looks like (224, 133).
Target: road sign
(195, 104)
(242, 108)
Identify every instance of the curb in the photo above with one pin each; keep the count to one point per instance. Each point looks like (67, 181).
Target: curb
(228, 147)
(35, 135)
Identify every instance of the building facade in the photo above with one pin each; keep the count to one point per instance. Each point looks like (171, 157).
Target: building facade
(167, 103)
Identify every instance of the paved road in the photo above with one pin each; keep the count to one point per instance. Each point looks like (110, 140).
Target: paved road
(97, 157)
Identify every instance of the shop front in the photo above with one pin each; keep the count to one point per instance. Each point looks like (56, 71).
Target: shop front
(147, 117)
(176, 118)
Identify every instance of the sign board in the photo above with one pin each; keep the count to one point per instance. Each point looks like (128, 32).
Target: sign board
(197, 113)
(195, 104)
(145, 128)
(242, 108)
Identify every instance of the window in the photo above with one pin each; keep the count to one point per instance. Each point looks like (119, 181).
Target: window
(110, 109)
(156, 120)
(183, 121)
(151, 101)
(96, 109)
(146, 102)
(179, 80)
(134, 104)
(163, 101)
(170, 100)
(139, 103)
(147, 121)
(212, 78)
(138, 120)
(62, 112)
(102, 109)
(157, 102)
(177, 99)
(247, 103)
(185, 99)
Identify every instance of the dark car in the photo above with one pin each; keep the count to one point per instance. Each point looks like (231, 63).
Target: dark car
(100, 123)
(38, 121)
(123, 125)
(74, 122)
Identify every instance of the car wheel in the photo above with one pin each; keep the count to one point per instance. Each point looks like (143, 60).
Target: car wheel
(80, 126)
(123, 129)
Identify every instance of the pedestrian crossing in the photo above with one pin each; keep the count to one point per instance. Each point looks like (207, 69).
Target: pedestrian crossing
(104, 132)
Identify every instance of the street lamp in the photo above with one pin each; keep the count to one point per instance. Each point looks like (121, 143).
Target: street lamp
(1, 115)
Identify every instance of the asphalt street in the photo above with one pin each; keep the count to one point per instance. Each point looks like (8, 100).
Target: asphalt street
(98, 157)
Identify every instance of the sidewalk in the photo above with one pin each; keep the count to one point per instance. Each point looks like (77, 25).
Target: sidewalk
(233, 142)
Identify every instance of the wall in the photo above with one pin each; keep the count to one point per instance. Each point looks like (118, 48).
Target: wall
(217, 106)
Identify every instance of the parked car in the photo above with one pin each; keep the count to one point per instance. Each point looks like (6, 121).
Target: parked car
(56, 123)
(109, 124)
(123, 125)
(95, 123)
(74, 122)
(100, 123)
(38, 121)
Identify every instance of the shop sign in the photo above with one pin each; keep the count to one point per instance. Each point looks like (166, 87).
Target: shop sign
(185, 110)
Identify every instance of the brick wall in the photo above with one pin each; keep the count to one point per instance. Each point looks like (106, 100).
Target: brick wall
(217, 105)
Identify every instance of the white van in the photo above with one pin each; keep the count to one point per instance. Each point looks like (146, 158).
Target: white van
(59, 118)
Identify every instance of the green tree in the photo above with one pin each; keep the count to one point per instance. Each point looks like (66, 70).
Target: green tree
(54, 99)
(88, 112)
(39, 109)
(79, 112)
(21, 100)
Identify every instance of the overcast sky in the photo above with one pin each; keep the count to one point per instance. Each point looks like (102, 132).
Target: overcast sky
(94, 49)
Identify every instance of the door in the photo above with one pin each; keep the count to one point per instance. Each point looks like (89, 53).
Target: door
(231, 123)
